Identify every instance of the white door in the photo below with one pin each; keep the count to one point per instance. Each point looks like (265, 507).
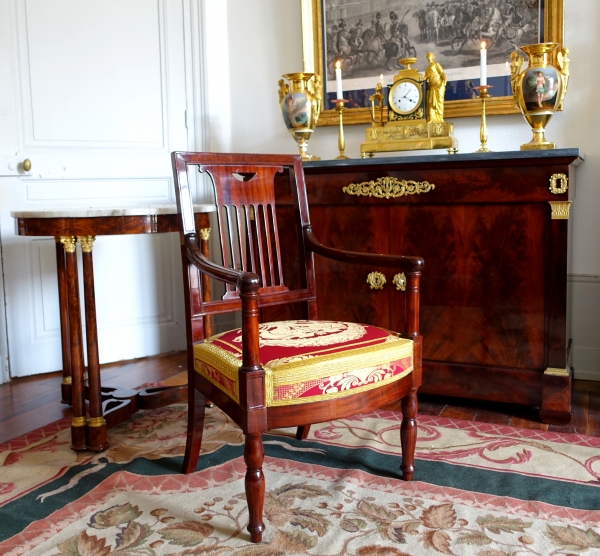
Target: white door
(93, 93)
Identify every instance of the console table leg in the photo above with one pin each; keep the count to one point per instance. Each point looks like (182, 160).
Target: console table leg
(206, 290)
(78, 425)
(97, 439)
(66, 385)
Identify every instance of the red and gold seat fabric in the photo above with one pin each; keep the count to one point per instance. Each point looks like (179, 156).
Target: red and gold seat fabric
(309, 361)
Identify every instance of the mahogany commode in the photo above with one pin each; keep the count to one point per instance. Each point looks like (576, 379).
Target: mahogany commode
(493, 230)
(107, 406)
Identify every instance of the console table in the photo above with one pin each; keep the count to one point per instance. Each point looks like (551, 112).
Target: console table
(107, 406)
(493, 230)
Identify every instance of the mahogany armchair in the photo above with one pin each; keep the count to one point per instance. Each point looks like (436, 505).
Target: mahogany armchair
(287, 373)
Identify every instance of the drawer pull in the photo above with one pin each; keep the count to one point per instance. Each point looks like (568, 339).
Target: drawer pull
(376, 280)
(400, 281)
(554, 179)
(388, 188)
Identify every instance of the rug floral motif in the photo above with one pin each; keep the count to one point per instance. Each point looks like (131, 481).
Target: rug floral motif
(309, 509)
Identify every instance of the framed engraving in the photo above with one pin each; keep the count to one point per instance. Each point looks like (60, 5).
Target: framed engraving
(369, 36)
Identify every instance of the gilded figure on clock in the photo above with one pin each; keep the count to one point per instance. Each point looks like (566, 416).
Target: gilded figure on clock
(436, 79)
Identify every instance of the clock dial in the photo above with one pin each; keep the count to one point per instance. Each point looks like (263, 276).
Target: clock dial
(405, 97)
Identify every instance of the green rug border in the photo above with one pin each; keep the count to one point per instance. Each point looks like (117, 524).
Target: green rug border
(16, 516)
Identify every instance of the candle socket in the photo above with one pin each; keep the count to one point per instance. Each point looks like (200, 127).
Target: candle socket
(483, 91)
(339, 106)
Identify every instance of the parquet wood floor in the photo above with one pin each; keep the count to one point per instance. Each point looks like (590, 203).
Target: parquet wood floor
(32, 402)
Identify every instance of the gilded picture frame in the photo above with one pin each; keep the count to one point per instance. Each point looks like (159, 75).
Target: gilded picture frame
(313, 25)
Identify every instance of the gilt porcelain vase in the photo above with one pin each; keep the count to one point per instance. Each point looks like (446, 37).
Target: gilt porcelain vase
(539, 90)
(300, 102)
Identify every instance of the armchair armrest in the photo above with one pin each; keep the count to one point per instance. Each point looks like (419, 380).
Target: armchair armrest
(248, 284)
(401, 262)
(245, 281)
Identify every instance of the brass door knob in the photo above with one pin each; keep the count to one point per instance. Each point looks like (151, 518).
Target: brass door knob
(27, 165)
(376, 280)
(400, 281)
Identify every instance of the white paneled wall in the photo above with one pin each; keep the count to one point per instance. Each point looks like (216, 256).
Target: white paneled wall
(96, 100)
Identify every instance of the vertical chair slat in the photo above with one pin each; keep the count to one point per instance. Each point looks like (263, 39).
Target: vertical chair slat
(250, 211)
(242, 238)
(222, 237)
(277, 258)
(259, 243)
(268, 230)
(231, 237)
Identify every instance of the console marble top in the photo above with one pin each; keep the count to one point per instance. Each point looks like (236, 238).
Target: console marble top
(99, 212)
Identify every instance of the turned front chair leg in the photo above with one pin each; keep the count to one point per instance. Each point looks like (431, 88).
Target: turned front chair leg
(255, 485)
(408, 434)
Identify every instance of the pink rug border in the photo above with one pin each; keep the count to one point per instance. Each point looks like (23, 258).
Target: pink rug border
(36, 435)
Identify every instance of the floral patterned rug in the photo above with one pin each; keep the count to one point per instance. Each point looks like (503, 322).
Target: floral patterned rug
(479, 489)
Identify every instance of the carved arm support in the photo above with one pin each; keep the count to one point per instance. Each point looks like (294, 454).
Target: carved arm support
(401, 262)
(412, 266)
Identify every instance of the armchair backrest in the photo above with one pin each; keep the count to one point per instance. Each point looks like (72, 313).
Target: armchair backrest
(248, 235)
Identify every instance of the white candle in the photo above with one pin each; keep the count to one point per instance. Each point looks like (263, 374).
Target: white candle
(483, 78)
(338, 80)
(381, 79)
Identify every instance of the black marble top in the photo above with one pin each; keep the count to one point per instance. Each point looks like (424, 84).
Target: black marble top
(459, 157)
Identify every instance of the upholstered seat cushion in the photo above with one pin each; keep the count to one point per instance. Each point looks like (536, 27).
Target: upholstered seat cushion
(309, 361)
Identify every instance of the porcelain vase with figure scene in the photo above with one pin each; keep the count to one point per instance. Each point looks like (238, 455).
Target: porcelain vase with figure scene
(300, 102)
(539, 90)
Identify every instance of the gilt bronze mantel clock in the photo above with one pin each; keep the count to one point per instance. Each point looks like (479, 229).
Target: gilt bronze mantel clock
(415, 112)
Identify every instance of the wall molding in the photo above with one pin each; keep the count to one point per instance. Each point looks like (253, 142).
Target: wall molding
(584, 278)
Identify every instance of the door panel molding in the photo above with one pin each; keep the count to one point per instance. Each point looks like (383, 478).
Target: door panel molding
(84, 97)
